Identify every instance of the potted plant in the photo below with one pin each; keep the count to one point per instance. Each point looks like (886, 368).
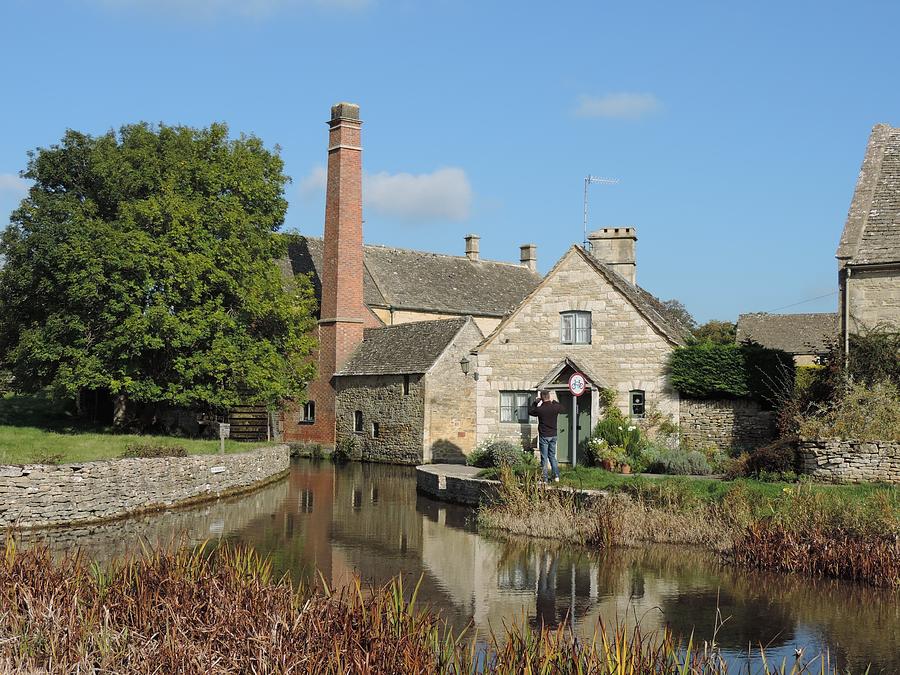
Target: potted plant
(610, 457)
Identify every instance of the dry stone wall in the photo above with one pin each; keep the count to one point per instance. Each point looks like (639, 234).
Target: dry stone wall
(727, 424)
(839, 461)
(41, 495)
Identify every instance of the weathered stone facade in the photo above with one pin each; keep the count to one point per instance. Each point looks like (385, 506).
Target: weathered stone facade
(381, 401)
(842, 461)
(874, 297)
(626, 352)
(738, 424)
(39, 495)
(433, 421)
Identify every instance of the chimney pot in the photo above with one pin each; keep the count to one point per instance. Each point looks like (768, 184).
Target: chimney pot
(472, 246)
(528, 256)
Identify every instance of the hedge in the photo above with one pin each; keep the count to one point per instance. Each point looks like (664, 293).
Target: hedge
(748, 370)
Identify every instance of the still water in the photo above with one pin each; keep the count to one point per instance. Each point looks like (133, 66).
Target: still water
(368, 520)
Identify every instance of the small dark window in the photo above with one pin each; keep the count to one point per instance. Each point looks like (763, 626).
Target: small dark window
(357, 499)
(406, 385)
(308, 415)
(637, 403)
(376, 429)
(358, 421)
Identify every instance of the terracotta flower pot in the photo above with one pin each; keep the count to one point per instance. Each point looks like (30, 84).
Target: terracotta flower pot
(626, 468)
(607, 464)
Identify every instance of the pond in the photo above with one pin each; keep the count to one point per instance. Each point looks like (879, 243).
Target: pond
(368, 520)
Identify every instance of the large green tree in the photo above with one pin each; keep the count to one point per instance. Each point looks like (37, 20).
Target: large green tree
(143, 263)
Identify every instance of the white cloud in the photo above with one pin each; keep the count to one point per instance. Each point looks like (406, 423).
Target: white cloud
(11, 184)
(623, 105)
(313, 184)
(442, 195)
(254, 8)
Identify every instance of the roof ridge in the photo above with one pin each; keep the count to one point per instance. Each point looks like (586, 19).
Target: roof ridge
(433, 253)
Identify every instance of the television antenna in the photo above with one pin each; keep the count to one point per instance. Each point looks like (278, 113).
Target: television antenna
(592, 180)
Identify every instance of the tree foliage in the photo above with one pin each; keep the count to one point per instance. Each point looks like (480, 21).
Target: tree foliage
(716, 332)
(143, 263)
(677, 309)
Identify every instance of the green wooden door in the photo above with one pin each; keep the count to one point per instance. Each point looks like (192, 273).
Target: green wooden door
(584, 425)
(564, 428)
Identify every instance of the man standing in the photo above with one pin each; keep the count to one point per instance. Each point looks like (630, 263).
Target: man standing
(546, 411)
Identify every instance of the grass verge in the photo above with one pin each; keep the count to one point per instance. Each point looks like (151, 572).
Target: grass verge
(222, 612)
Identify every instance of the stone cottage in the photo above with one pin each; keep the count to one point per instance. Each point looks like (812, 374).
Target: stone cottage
(869, 251)
(366, 289)
(587, 315)
(403, 394)
(806, 337)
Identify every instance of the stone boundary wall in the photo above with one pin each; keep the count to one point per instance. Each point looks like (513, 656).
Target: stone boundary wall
(838, 461)
(738, 424)
(46, 495)
(456, 489)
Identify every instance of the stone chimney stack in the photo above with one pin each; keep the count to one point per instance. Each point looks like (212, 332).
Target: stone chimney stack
(472, 246)
(343, 310)
(615, 246)
(528, 256)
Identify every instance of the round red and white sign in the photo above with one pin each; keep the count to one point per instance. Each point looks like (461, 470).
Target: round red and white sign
(577, 384)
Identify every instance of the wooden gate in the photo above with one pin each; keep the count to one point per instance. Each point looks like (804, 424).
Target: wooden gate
(249, 423)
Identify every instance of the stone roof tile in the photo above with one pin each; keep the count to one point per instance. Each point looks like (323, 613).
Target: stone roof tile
(793, 333)
(872, 232)
(406, 348)
(431, 282)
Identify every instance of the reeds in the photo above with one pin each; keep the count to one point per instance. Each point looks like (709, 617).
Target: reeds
(221, 611)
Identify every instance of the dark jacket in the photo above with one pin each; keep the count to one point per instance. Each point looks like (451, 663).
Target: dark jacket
(546, 414)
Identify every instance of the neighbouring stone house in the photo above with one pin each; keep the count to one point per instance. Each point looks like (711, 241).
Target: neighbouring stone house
(404, 395)
(587, 315)
(363, 290)
(807, 337)
(869, 251)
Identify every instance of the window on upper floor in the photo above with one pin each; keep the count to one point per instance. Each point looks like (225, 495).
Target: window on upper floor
(637, 402)
(406, 385)
(514, 406)
(575, 328)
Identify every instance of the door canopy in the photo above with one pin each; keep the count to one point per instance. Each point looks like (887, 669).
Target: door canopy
(558, 377)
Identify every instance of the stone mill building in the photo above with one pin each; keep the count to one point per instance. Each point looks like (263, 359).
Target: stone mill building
(423, 355)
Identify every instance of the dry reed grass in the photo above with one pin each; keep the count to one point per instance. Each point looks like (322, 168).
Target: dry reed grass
(211, 612)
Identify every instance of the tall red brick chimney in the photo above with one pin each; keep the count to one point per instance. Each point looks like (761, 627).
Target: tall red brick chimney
(343, 310)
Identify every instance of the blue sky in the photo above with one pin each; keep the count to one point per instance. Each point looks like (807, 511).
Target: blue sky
(736, 129)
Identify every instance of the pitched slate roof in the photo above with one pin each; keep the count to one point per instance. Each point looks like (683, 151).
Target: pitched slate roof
(406, 348)
(872, 232)
(413, 280)
(793, 333)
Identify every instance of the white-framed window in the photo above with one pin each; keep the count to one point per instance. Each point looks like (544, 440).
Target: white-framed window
(358, 421)
(575, 328)
(376, 429)
(514, 406)
(637, 402)
(308, 414)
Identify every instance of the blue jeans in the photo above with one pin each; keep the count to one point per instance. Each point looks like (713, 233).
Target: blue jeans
(547, 446)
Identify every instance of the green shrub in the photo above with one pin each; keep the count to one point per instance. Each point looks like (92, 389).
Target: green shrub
(347, 448)
(875, 356)
(677, 462)
(708, 370)
(149, 451)
(494, 453)
(619, 432)
(736, 467)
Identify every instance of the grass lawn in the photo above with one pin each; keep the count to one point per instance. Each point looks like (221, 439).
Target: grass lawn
(36, 429)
